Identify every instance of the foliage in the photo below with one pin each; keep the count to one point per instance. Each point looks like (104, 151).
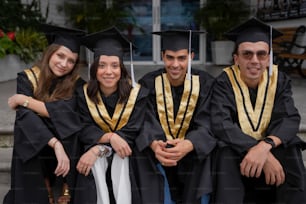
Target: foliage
(31, 44)
(18, 33)
(15, 15)
(7, 46)
(95, 15)
(218, 16)
(27, 44)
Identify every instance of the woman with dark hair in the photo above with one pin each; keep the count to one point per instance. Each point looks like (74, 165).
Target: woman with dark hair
(45, 141)
(112, 108)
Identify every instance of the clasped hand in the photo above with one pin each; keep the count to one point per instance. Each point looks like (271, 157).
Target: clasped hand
(170, 156)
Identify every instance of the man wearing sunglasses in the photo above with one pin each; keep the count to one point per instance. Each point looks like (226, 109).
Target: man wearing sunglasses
(258, 159)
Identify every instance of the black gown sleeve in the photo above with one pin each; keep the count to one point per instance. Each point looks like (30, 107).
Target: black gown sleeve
(199, 132)
(31, 134)
(285, 118)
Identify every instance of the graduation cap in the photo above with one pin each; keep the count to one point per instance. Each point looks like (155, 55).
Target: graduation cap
(67, 37)
(110, 42)
(177, 40)
(107, 42)
(254, 30)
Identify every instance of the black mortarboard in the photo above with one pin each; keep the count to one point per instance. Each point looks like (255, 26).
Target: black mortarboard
(67, 37)
(252, 30)
(107, 42)
(176, 39)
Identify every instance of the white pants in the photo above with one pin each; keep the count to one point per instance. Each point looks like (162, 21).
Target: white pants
(120, 179)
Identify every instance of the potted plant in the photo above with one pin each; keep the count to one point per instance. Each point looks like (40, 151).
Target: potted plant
(20, 43)
(31, 44)
(19, 49)
(217, 17)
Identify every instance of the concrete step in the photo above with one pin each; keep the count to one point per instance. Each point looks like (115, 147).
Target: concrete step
(6, 154)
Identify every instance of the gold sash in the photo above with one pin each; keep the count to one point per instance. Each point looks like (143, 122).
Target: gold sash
(254, 122)
(121, 115)
(33, 76)
(176, 128)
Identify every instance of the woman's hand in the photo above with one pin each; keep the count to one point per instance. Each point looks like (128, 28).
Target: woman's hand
(63, 162)
(16, 100)
(120, 146)
(87, 160)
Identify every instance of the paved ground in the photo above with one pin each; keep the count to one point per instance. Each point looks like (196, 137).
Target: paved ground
(7, 116)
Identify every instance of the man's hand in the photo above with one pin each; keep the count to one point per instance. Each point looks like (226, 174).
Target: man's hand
(158, 147)
(273, 170)
(170, 156)
(254, 160)
(180, 148)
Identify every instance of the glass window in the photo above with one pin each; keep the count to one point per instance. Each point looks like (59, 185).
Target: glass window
(179, 15)
(139, 31)
(173, 14)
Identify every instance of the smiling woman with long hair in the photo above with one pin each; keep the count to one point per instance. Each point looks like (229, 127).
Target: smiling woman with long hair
(112, 113)
(45, 141)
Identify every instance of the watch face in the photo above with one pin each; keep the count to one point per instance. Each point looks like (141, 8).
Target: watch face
(269, 141)
(102, 148)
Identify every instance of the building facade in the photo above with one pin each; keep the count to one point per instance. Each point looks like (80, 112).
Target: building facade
(155, 15)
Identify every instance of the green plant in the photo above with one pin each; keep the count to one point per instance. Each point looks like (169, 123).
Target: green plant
(18, 23)
(15, 14)
(218, 16)
(31, 44)
(95, 15)
(26, 43)
(7, 46)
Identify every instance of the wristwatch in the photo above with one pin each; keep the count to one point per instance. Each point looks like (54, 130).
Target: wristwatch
(269, 141)
(26, 103)
(104, 150)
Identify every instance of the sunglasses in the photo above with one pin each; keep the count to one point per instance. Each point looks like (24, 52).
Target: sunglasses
(248, 55)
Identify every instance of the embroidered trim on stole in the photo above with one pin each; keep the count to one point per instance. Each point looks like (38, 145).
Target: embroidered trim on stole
(254, 122)
(121, 114)
(33, 76)
(176, 128)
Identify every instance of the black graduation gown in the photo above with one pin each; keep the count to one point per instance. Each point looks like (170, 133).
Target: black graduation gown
(86, 188)
(194, 168)
(284, 124)
(31, 150)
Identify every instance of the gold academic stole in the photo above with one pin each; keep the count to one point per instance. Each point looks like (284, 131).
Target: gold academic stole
(254, 122)
(176, 128)
(121, 114)
(33, 76)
